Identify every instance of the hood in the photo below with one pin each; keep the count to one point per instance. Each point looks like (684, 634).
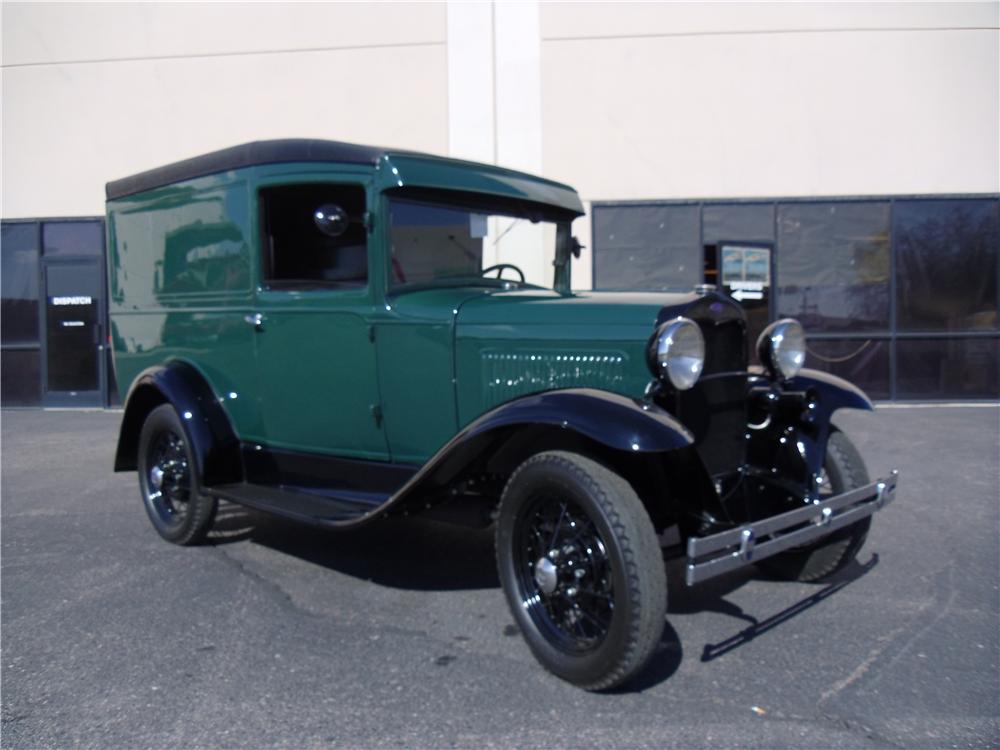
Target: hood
(544, 307)
(510, 344)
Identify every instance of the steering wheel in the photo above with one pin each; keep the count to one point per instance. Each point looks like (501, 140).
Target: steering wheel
(499, 268)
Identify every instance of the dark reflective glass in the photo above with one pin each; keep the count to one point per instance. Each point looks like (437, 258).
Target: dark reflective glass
(72, 326)
(833, 265)
(740, 222)
(947, 368)
(303, 251)
(20, 383)
(19, 282)
(72, 238)
(863, 362)
(946, 264)
(647, 247)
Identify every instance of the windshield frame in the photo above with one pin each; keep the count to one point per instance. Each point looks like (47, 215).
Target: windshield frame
(491, 205)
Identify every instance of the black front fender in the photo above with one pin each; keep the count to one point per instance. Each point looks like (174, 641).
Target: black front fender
(614, 423)
(834, 393)
(208, 430)
(610, 419)
(794, 444)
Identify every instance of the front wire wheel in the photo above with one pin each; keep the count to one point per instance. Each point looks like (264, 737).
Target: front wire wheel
(177, 510)
(563, 560)
(581, 568)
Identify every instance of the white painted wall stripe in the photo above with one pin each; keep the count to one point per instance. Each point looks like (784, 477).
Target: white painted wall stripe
(518, 85)
(470, 81)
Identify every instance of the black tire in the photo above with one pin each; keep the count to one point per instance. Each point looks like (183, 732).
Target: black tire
(167, 482)
(845, 470)
(595, 628)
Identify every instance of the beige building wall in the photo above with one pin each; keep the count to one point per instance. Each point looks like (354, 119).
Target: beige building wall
(623, 100)
(705, 100)
(96, 91)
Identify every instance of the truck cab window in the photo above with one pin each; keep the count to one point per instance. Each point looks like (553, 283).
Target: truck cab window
(303, 248)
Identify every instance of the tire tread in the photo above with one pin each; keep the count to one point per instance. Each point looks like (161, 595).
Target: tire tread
(640, 549)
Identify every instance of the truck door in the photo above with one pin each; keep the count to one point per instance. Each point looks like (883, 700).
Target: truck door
(314, 348)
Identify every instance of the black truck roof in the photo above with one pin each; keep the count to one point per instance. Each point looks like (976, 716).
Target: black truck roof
(246, 155)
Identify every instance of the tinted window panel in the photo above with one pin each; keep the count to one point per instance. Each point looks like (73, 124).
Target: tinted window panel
(863, 362)
(947, 368)
(738, 222)
(20, 383)
(833, 265)
(647, 247)
(946, 263)
(306, 248)
(19, 281)
(73, 238)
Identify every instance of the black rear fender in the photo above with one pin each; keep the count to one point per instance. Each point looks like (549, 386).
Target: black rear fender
(208, 430)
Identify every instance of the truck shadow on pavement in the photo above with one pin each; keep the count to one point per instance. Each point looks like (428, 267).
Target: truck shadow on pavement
(406, 553)
(709, 599)
(423, 555)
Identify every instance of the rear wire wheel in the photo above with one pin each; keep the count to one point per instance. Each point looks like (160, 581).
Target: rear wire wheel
(167, 484)
(582, 570)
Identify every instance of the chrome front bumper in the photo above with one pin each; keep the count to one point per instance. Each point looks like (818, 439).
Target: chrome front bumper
(710, 556)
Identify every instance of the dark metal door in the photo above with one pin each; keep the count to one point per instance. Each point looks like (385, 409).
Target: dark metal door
(73, 361)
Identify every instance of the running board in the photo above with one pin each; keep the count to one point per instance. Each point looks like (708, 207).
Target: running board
(311, 505)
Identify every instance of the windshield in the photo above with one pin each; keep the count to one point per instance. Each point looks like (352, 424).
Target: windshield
(438, 244)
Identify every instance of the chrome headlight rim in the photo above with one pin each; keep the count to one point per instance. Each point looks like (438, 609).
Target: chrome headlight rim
(676, 353)
(782, 348)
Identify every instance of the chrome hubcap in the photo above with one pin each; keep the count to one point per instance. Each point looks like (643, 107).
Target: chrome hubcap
(564, 573)
(546, 575)
(168, 478)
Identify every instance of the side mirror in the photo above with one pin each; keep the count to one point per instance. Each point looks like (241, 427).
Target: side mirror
(331, 219)
(575, 247)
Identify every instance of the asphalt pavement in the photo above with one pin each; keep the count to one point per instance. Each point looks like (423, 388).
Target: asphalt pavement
(276, 635)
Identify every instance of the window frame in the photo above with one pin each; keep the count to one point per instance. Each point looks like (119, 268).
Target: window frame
(305, 177)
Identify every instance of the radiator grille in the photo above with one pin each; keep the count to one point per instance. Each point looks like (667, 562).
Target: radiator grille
(725, 346)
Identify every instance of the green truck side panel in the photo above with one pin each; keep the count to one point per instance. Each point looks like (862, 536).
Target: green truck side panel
(317, 378)
(511, 344)
(351, 372)
(180, 281)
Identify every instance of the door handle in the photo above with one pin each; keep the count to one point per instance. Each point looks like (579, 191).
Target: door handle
(256, 320)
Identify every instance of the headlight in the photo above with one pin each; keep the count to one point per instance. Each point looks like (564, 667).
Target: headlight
(677, 352)
(782, 348)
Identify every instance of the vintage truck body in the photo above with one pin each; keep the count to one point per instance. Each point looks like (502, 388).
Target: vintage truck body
(312, 328)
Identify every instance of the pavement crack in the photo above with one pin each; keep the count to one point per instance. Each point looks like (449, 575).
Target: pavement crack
(890, 639)
(856, 727)
(885, 642)
(283, 597)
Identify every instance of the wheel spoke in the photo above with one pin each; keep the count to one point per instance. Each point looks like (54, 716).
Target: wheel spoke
(555, 533)
(565, 573)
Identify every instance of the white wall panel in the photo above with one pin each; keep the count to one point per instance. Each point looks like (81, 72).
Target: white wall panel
(67, 129)
(37, 33)
(471, 133)
(611, 19)
(518, 86)
(773, 115)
